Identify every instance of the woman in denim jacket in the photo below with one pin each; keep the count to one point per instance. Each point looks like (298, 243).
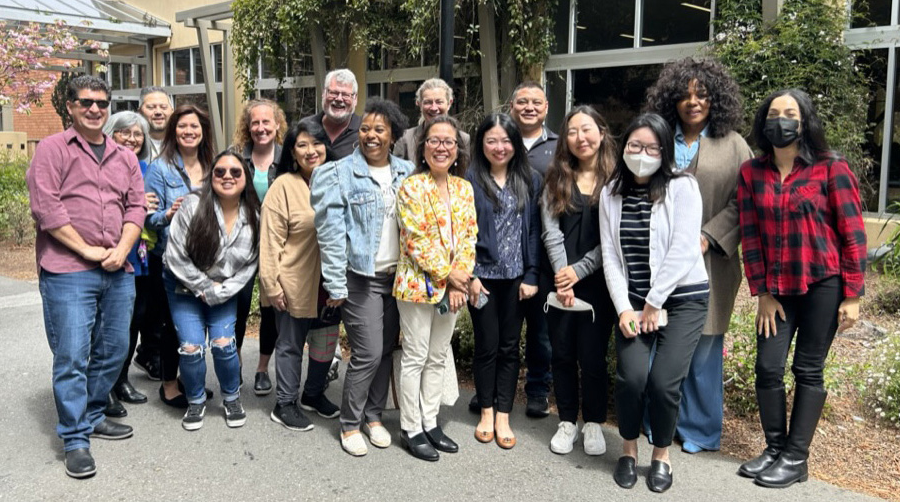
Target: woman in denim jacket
(186, 158)
(354, 200)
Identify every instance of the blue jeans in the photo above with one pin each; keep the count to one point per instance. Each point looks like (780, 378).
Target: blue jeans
(193, 320)
(86, 318)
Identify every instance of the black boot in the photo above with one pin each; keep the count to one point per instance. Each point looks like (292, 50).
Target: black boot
(114, 408)
(791, 465)
(773, 416)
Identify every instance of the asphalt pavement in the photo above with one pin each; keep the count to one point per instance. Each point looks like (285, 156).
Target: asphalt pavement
(265, 461)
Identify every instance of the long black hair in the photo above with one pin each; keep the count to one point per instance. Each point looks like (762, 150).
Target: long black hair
(813, 145)
(622, 181)
(518, 171)
(287, 163)
(203, 238)
(561, 174)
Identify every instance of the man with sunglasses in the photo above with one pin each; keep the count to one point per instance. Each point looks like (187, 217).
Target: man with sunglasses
(87, 199)
(337, 117)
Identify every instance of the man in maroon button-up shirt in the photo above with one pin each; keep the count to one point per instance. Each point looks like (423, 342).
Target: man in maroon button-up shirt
(87, 200)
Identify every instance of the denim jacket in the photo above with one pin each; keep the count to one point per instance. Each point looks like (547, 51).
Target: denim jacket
(167, 181)
(349, 213)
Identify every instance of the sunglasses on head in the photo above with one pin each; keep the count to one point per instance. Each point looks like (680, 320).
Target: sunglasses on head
(87, 103)
(236, 172)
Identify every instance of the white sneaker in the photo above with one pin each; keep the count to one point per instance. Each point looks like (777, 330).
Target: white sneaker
(354, 444)
(594, 444)
(378, 435)
(564, 439)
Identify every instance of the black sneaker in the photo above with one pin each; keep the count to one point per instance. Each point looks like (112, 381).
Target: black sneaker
(234, 413)
(290, 416)
(262, 386)
(538, 407)
(319, 404)
(148, 366)
(193, 417)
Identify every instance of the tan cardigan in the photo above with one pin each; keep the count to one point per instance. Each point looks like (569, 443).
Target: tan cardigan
(288, 249)
(716, 168)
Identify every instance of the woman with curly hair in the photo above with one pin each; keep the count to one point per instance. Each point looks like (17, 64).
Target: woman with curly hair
(257, 139)
(701, 102)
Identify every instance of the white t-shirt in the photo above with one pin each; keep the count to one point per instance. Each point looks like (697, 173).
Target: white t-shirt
(155, 147)
(389, 247)
(529, 142)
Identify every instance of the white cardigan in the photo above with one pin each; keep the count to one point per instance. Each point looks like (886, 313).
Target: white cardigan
(675, 255)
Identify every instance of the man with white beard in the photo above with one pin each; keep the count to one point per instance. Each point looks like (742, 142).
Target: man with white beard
(337, 117)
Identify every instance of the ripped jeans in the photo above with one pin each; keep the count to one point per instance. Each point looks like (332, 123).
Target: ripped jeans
(194, 320)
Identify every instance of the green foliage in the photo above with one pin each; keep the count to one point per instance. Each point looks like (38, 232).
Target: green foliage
(58, 98)
(803, 48)
(531, 30)
(15, 214)
(889, 262)
(881, 385)
(463, 341)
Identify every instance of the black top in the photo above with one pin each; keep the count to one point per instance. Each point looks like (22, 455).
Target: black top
(344, 144)
(98, 150)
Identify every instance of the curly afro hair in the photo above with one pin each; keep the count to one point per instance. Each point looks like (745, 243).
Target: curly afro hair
(725, 106)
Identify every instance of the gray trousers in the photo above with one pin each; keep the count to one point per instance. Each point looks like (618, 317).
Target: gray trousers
(373, 325)
(293, 333)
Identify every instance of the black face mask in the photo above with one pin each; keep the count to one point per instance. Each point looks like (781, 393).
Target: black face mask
(781, 131)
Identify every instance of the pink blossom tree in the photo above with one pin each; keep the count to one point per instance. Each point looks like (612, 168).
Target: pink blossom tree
(24, 52)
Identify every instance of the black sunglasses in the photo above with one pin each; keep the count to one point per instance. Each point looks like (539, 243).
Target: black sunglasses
(236, 172)
(87, 103)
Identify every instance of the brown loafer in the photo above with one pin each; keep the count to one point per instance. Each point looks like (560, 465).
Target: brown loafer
(506, 443)
(484, 436)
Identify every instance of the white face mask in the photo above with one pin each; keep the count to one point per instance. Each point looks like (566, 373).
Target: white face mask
(580, 305)
(641, 164)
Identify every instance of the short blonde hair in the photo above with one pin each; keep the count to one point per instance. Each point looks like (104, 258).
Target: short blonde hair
(242, 132)
(433, 83)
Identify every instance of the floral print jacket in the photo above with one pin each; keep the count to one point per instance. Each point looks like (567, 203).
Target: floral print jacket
(433, 241)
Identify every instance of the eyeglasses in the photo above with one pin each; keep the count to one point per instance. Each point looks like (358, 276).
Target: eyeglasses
(235, 172)
(129, 134)
(637, 147)
(336, 94)
(436, 142)
(87, 103)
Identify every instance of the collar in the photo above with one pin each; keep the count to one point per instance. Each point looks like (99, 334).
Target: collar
(360, 165)
(71, 134)
(679, 133)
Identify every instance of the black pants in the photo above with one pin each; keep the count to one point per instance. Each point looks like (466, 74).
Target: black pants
(498, 329)
(661, 386)
(268, 332)
(160, 319)
(576, 342)
(138, 322)
(813, 317)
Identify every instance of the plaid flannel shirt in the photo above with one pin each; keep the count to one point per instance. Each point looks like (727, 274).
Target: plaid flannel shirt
(801, 230)
(234, 266)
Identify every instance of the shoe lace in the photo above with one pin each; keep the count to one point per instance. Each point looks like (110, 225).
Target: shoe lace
(194, 410)
(233, 407)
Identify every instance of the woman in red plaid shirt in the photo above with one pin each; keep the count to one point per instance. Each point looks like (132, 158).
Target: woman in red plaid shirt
(804, 247)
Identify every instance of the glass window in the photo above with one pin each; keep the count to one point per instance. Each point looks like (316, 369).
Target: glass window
(167, 69)
(874, 64)
(871, 13)
(296, 102)
(561, 28)
(675, 21)
(604, 25)
(182, 64)
(217, 59)
(557, 97)
(617, 93)
(198, 65)
(115, 74)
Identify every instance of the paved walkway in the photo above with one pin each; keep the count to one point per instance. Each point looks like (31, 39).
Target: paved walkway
(264, 461)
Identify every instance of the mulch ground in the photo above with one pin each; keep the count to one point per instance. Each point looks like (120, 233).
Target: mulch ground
(851, 449)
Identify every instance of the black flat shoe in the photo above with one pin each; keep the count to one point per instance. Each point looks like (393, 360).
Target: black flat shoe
(440, 441)
(148, 366)
(474, 407)
(537, 407)
(659, 479)
(625, 474)
(209, 392)
(113, 407)
(80, 464)
(108, 429)
(126, 392)
(419, 447)
(178, 401)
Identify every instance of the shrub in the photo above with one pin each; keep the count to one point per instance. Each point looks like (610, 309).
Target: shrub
(881, 387)
(15, 214)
